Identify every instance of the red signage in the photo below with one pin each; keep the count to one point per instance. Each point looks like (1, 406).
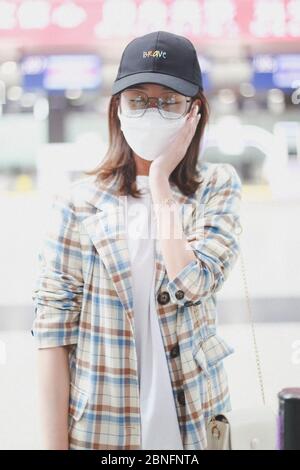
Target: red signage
(87, 22)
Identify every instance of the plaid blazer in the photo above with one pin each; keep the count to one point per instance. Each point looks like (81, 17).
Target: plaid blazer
(83, 298)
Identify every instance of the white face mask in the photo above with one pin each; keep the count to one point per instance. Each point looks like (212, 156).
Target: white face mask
(151, 134)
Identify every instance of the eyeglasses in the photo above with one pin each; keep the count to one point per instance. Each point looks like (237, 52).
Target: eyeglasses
(171, 105)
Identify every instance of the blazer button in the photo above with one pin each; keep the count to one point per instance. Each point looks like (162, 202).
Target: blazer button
(163, 297)
(179, 294)
(174, 351)
(181, 397)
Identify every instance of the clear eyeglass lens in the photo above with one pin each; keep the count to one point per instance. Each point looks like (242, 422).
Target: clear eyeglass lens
(171, 105)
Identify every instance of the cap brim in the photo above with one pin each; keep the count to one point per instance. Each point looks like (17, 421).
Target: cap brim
(178, 84)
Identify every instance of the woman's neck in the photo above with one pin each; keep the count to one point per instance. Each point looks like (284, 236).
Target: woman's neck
(142, 166)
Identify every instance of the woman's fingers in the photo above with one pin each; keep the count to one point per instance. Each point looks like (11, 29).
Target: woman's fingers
(177, 149)
(184, 137)
(193, 112)
(191, 124)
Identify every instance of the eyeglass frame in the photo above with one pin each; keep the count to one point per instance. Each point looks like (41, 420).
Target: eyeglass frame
(188, 100)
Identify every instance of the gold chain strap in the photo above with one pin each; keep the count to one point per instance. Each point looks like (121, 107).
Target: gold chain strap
(251, 319)
(257, 356)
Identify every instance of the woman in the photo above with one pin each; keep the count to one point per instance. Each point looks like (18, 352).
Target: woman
(126, 326)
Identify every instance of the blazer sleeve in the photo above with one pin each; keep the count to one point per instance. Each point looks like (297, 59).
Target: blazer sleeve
(213, 237)
(57, 293)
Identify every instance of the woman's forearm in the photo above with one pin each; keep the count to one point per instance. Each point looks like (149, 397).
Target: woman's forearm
(53, 396)
(174, 245)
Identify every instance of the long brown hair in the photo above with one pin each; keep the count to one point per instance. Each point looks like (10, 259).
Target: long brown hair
(119, 162)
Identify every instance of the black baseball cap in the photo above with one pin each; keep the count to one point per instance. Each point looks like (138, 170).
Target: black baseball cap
(163, 58)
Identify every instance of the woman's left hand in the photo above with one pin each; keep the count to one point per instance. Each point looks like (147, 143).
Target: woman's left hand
(167, 162)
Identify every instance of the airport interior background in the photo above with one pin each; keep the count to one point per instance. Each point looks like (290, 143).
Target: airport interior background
(58, 60)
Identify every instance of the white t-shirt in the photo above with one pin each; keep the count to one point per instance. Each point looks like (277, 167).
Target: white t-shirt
(159, 422)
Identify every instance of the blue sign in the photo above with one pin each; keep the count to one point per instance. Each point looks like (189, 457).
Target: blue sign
(276, 71)
(54, 73)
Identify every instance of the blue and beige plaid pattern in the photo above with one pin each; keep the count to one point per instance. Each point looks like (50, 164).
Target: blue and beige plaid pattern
(83, 298)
